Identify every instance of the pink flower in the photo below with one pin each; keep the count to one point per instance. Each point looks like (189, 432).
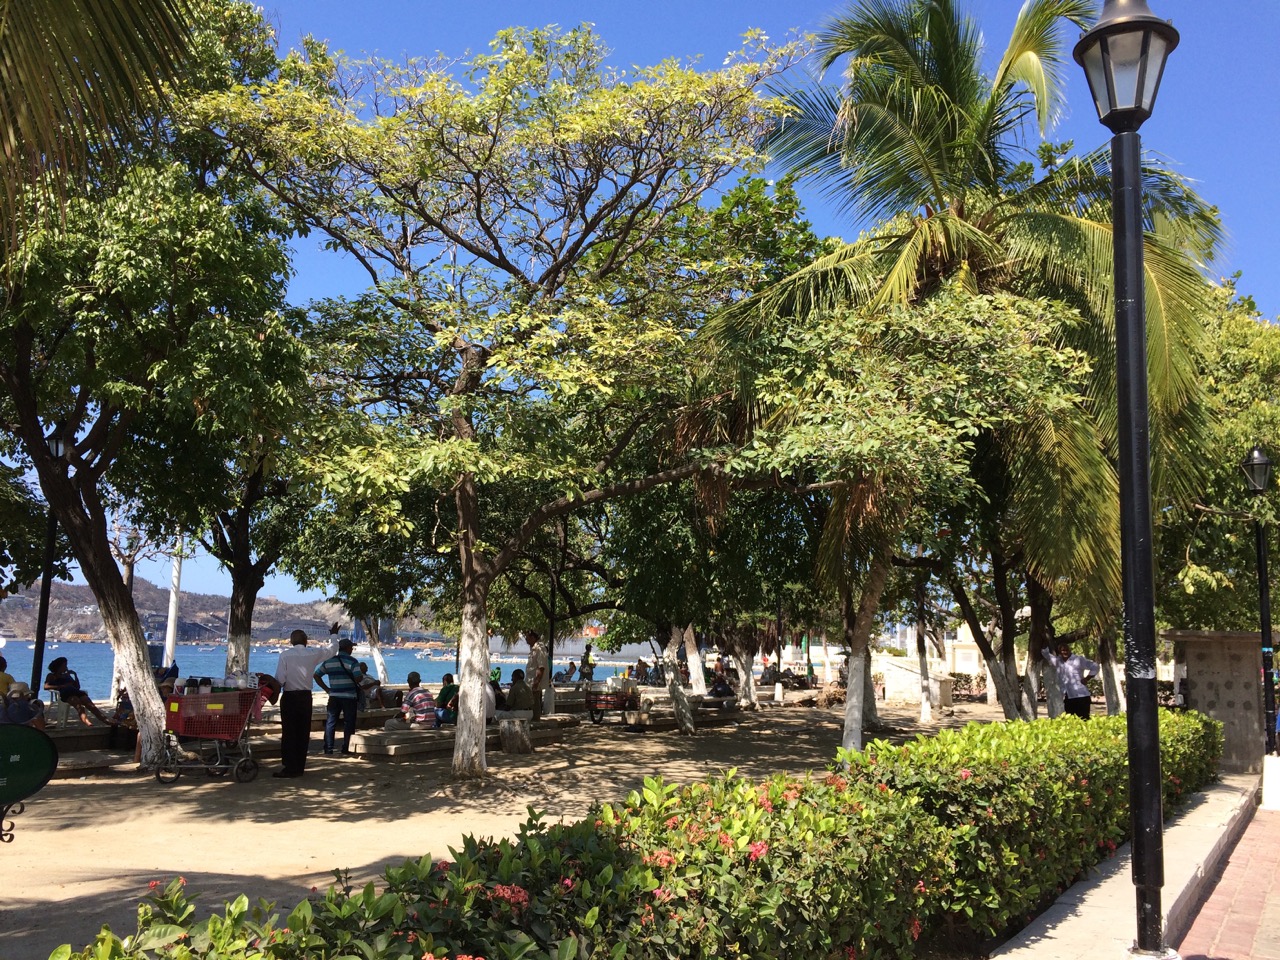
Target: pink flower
(915, 929)
(662, 858)
(673, 822)
(767, 804)
(566, 883)
(726, 841)
(966, 774)
(510, 893)
(920, 888)
(153, 884)
(662, 894)
(757, 850)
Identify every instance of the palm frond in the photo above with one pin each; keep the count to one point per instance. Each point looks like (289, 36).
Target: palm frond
(1035, 57)
(849, 276)
(74, 76)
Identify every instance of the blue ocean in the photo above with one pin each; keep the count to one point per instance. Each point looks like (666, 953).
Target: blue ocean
(92, 662)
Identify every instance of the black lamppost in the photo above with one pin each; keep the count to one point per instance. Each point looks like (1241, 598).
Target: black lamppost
(1123, 57)
(1257, 470)
(56, 447)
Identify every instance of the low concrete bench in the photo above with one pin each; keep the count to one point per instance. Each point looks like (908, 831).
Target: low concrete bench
(407, 743)
(513, 730)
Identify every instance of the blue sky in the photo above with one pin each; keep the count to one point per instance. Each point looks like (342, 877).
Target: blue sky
(1216, 119)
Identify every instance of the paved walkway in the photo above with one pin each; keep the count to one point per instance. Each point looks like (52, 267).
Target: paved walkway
(1240, 919)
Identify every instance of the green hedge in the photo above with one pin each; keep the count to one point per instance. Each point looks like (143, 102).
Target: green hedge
(943, 841)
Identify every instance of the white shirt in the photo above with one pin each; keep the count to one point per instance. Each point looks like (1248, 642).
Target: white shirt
(490, 702)
(537, 659)
(296, 665)
(1072, 672)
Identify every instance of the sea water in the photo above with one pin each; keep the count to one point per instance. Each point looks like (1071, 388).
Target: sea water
(93, 662)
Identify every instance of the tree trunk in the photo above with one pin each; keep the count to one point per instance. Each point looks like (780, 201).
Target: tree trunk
(855, 692)
(1112, 673)
(857, 636)
(1040, 638)
(747, 680)
(1009, 635)
(922, 650)
(473, 642)
(697, 679)
(679, 699)
(1007, 692)
(245, 585)
(120, 618)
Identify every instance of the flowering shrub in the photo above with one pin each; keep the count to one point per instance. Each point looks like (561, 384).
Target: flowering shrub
(892, 852)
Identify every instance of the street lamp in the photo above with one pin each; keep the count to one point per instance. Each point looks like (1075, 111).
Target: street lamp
(57, 448)
(1123, 58)
(1257, 471)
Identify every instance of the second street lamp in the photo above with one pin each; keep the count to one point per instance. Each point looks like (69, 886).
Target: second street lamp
(1123, 58)
(1257, 470)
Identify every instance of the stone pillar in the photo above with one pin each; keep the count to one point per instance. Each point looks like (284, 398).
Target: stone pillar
(1223, 680)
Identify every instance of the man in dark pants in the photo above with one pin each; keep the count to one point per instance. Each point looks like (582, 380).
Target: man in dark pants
(343, 672)
(293, 673)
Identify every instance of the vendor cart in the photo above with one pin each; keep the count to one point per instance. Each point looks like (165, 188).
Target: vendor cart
(210, 731)
(601, 698)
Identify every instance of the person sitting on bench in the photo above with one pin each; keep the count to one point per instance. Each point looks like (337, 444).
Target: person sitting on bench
(20, 706)
(418, 711)
(64, 681)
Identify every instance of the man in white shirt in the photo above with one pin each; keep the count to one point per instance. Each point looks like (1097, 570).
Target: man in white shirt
(294, 671)
(1073, 670)
(536, 670)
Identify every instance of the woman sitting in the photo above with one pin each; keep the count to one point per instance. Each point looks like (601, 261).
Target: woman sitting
(64, 681)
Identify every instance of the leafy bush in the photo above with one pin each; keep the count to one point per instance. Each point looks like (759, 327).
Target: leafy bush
(944, 840)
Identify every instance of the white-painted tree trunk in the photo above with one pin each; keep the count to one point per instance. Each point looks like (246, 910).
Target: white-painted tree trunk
(473, 672)
(679, 700)
(926, 692)
(1054, 704)
(854, 702)
(747, 681)
(697, 680)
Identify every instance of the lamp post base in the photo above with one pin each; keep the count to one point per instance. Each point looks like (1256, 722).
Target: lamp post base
(1167, 953)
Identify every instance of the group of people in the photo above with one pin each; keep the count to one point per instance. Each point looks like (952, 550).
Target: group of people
(20, 705)
(347, 682)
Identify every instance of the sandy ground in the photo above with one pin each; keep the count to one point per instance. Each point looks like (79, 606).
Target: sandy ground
(85, 850)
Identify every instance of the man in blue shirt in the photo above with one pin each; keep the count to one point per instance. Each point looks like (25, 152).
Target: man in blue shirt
(339, 676)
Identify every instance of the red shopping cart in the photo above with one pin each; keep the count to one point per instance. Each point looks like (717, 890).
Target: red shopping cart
(210, 731)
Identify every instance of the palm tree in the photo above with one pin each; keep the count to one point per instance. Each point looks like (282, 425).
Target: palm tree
(918, 141)
(74, 76)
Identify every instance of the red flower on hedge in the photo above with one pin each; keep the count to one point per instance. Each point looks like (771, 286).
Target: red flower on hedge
(966, 774)
(726, 841)
(915, 928)
(757, 850)
(510, 893)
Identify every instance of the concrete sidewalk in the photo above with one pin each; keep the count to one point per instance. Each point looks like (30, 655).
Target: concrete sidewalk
(1095, 918)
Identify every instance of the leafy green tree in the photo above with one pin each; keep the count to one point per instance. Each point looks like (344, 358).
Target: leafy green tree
(1206, 559)
(922, 144)
(150, 314)
(514, 224)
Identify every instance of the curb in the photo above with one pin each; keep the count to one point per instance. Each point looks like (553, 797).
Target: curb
(1095, 917)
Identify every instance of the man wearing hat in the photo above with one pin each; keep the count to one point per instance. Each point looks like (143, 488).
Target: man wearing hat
(339, 676)
(293, 674)
(19, 706)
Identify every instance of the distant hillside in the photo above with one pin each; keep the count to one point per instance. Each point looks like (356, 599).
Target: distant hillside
(73, 614)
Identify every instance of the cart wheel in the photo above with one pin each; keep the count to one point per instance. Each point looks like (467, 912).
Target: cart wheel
(169, 770)
(246, 769)
(597, 716)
